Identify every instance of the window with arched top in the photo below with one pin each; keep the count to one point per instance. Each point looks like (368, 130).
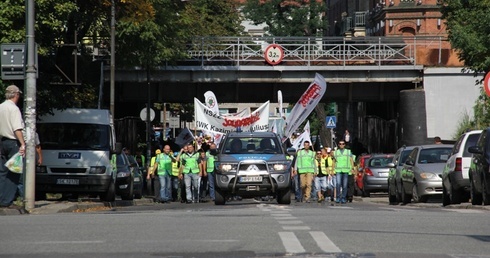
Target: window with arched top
(407, 31)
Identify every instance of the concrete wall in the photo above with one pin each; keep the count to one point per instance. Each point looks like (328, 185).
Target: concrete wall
(449, 94)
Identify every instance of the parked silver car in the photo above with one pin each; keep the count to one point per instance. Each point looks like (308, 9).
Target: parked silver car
(455, 178)
(376, 174)
(422, 172)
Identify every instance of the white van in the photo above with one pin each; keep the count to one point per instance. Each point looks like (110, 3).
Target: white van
(77, 147)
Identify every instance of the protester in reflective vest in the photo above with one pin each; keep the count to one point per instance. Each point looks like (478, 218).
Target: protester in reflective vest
(332, 179)
(163, 166)
(322, 176)
(191, 174)
(351, 181)
(176, 196)
(306, 168)
(343, 165)
(151, 180)
(209, 164)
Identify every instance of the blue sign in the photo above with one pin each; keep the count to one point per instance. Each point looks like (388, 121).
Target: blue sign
(331, 121)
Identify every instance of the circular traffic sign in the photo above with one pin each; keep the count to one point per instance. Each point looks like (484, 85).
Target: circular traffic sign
(143, 114)
(486, 83)
(274, 54)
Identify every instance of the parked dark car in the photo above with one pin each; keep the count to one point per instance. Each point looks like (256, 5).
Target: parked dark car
(422, 172)
(125, 177)
(455, 177)
(138, 178)
(394, 178)
(376, 174)
(479, 173)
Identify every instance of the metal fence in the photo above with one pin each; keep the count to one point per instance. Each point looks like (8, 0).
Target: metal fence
(309, 51)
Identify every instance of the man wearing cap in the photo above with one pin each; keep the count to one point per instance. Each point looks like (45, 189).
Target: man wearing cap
(11, 142)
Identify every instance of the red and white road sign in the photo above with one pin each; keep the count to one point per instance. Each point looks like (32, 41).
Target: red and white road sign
(274, 54)
(486, 83)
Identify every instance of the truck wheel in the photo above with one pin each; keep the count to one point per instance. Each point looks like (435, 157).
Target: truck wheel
(476, 198)
(456, 195)
(406, 198)
(446, 200)
(284, 196)
(110, 194)
(219, 198)
(485, 192)
(391, 196)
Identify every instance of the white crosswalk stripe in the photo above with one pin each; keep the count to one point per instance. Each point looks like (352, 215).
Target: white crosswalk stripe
(324, 242)
(291, 242)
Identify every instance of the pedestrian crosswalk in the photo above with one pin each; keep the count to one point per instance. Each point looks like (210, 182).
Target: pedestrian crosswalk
(292, 227)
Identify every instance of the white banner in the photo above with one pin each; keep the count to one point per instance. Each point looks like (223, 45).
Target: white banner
(305, 104)
(184, 137)
(208, 120)
(305, 136)
(279, 100)
(211, 101)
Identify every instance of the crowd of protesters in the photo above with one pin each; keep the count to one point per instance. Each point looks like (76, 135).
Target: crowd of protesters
(187, 175)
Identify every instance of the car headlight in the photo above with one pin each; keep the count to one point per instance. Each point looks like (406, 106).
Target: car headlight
(428, 175)
(96, 170)
(123, 174)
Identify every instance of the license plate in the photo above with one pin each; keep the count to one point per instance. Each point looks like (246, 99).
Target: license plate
(383, 174)
(251, 179)
(60, 181)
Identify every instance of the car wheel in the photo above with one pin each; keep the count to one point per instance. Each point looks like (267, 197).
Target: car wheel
(284, 196)
(219, 197)
(391, 196)
(397, 194)
(138, 194)
(415, 194)
(485, 192)
(406, 198)
(129, 196)
(110, 194)
(445, 197)
(476, 198)
(455, 195)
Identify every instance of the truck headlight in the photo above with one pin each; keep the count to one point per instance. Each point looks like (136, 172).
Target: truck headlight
(41, 169)
(227, 167)
(278, 167)
(97, 170)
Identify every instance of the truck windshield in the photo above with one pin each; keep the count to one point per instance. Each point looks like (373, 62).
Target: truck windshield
(252, 145)
(56, 136)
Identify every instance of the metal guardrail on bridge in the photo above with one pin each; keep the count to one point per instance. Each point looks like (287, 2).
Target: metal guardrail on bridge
(312, 51)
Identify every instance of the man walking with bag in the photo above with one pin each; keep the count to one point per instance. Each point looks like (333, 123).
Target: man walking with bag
(11, 141)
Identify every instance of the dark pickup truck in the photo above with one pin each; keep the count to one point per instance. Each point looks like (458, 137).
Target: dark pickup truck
(252, 164)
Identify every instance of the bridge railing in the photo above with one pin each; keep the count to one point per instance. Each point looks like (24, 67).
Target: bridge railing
(309, 51)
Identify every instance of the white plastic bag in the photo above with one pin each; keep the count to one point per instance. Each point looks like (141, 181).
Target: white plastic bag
(15, 163)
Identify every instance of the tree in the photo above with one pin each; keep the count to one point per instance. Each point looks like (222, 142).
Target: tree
(288, 17)
(149, 32)
(467, 24)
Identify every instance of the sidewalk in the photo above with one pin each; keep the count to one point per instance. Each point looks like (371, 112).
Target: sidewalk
(55, 206)
(431, 203)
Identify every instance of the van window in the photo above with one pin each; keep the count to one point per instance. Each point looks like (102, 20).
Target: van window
(57, 136)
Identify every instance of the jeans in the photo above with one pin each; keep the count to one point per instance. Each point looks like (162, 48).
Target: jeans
(321, 183)
(192, 180)
(165, 187)
(314, 189)
(296, 187)
(8, 180)
(175, 188)
(342, 179)
(211, 184)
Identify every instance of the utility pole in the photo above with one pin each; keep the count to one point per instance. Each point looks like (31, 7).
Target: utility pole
(113, 57)
(30, 110)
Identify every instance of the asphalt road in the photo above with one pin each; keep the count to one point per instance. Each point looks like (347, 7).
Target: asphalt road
(364, 228)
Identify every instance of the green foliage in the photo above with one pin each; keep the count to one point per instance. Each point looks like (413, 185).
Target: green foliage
(465, 124)
(467, 23)
(469, 33)
(288, 17)
(149, 33)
